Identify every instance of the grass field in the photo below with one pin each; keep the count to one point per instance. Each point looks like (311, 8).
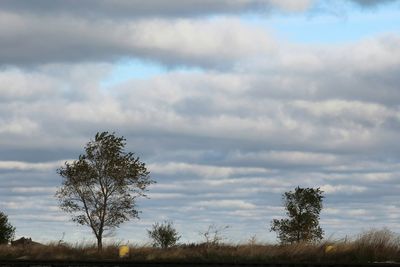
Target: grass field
(372, 246)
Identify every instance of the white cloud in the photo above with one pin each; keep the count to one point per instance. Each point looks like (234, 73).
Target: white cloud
(355, 110)
(343, 189)
(379, 176)
(16, 84)
(293, 5)
(380, 51)
(226, 203)
(35, 189)
(357, 212)
(331, 211)
(287, 158)
(225, 40)
(25, 166)
(43, 218)
(20, 126)
(165, 196)
(205, 171)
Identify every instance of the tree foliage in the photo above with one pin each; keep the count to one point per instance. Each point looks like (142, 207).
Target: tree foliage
(7, 231)
(99, 189)
(164, 235)
(303, 207)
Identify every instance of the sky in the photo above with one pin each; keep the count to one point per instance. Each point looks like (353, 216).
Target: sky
(230, 103)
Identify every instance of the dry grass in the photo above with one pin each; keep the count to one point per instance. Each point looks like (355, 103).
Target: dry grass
(372, 246)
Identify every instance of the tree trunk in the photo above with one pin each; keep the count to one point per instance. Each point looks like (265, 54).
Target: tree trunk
(99, 243)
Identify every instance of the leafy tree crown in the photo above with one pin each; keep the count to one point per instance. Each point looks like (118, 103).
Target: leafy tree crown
(7, 231)
(100, 188)
(303, 207)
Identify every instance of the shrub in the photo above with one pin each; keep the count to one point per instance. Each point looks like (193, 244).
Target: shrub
(214, 234)
(163, 235)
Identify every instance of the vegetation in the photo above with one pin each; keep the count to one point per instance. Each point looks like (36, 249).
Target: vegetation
(100, 188)
(6, 229)
(164, 235)
(303, 207)
(372, 246)
(214, 234)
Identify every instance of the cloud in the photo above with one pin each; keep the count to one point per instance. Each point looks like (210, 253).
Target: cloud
(213, 43)
(278, 159)
(25, 166)
(17, 126)
(42, 219)
(204, 171)
(165, 196)
(342, 189)
(16, 85)
(36, 189)
(226, 203)
(371, 3)
(252, 118)
(151, 8)
(130, 9)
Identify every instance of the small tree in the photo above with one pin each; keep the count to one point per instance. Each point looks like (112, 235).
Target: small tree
(303, 208)
(7, 231)
(163, 235)
(100, 188)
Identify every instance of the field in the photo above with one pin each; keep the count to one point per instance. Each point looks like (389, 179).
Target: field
(372, 246)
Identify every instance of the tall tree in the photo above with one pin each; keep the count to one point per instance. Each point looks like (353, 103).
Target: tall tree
(303, 207)
(100, 188)
(7, 231)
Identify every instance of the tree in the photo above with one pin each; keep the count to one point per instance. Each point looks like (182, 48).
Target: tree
(99, 189)
(7, 231)
(163, 235)
(303, 208)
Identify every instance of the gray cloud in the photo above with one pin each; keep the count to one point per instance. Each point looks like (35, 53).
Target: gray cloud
(151, 8)
(156, 8)
(31, 40)
(371, 3)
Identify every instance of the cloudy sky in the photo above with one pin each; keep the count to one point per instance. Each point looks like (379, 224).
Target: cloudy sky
(230, 103)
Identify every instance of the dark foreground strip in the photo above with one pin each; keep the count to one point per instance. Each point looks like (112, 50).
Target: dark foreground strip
(44, 263)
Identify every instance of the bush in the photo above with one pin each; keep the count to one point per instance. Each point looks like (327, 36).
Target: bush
(377, 245)
(214, 235)
(163, 235)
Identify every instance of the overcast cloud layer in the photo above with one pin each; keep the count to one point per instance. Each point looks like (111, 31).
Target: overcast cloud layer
(238, 116)
(152, 8)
